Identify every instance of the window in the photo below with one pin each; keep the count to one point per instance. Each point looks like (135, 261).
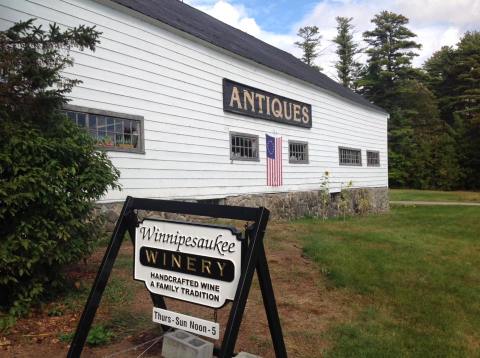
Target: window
(243, 146)
(349, 156)
(112, 131)
(298, 152)
(373, 158)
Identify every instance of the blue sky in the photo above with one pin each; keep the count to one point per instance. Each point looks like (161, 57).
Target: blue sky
(436, 22)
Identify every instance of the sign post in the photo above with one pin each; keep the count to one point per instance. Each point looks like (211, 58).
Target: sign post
(198, 263)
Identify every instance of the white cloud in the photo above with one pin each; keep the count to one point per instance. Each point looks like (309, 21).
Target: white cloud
(436, 22)
(237, 16)
(460, 13)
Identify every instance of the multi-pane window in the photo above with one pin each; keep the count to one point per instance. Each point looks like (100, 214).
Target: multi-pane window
(110, 132)
(373, 158)
(243, 146)
(349, 156)
(298, 152)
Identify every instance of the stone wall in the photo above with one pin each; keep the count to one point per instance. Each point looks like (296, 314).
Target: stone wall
(289, 205)
(295, 205)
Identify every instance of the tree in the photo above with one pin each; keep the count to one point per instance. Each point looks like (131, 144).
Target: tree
(390, 53)
(422, 147)
(454, 77)
(390, 81)
(50, 171)
(309, 45)
(348, 68)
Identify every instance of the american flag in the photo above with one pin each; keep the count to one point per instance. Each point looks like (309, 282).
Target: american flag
(274, 161)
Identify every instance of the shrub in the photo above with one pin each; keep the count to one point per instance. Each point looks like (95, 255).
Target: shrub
(50, 172)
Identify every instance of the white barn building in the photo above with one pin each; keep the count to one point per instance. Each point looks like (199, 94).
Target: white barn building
(183, 104)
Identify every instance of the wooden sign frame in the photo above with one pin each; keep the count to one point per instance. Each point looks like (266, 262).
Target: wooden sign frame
(254, 260)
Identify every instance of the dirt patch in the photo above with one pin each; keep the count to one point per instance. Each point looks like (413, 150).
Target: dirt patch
(306, 304)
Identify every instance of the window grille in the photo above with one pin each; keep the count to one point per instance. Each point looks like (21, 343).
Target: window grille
(349, 156)
(373, 158)
(243, 146)
(298, 152)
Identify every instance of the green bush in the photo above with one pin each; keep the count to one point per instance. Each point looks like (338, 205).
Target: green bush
(50, 172)
(98, 336)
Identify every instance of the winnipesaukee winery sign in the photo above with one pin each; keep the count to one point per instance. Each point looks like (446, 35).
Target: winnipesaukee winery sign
(209, 265)
(186, 261)
(252, 102)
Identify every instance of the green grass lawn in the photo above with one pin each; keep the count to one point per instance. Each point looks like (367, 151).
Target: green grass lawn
(417, 270)
(432, 195)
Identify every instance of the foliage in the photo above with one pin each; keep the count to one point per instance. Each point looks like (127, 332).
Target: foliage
(325, 194)
(414, 275)
(421, 146)
(389, 58)
(345, 200)
(50, 171)
(348, 69)
(97, 336)
(390, 53)
(311, 41)
(363, 202)
(453, 75)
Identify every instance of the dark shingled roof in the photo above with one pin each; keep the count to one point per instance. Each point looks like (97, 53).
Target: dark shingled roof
(194, 22)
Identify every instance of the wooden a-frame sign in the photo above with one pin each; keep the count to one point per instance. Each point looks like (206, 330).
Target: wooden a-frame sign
(254, 259)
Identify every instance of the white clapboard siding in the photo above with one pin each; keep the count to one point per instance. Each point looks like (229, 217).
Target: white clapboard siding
(142, 67)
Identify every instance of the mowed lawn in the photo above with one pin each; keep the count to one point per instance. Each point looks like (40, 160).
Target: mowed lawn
(417, 273)
(433, 195)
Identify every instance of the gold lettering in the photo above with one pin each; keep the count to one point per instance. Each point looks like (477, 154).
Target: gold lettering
(164, 259)
(260, 98)
(151, 256)
(277, 112)
(296, 113)
(191, 261)
(205, 266)
(289, 115)
(249, 97)
(221, 267)
(306, 115)
(235, 98)
(176, 261)
(268, 105)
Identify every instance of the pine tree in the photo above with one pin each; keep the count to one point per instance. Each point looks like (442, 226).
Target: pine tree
(309, 45)
(348, 68)
(454, 77)
(390, 53)
(425, 143)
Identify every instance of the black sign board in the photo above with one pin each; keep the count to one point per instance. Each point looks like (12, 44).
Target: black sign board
(253, 259)
(217, 269)
(253, 102)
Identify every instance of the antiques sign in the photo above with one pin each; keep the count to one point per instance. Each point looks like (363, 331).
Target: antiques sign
(252, 102)
(186, 261)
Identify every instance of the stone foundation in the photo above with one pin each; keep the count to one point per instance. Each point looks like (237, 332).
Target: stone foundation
(294, 205)
(284, 206)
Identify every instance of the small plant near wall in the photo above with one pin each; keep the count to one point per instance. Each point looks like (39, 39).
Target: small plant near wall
(325, 194)
(364, 204)
(345, 200)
